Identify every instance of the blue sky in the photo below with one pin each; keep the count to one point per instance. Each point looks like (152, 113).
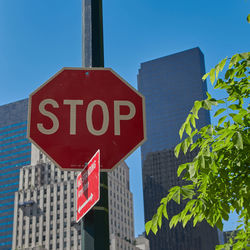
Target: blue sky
(39, 37)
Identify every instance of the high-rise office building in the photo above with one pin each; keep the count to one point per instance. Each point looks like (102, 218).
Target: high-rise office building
(14, 153)
(45, 208)
(170, 85)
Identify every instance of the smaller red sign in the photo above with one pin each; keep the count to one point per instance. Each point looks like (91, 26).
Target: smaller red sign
(88, 187)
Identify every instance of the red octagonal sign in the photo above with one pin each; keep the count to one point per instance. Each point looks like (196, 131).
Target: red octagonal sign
(80, 110)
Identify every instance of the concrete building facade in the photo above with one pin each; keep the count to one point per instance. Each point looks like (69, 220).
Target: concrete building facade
(121, 213)
(45, 208)
(170, 85)
(142, 242)
(15, 152)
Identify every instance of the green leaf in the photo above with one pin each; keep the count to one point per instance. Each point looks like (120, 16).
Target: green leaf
(174, 221)
(154, 226)
(219, 224)
(181, 168)
(205, 76)
(208, 95)
(177, 196)
(222, 64)
(196, 218)
(148, 226)
(187, 193)
(221, 101)
(188, 128)
(234, 60)
(201, 161)
(234, 107)
(248, 18)
(184, 146)
(229, 73)
(159, 213)
(164, 200)
(191, 170)
(237, 118)
(194, 133)
(177, 150)
(192, 119)
(213, 101)
(196, 108)
(225, 215)
(186, 219)
(212, 75)
(206, 105)
(219, 247)
(218, 112)
(217, 70)
(245, 55)
(181, 131)
(197, 105)
(221, 120)
(165, 213)
(237, 140)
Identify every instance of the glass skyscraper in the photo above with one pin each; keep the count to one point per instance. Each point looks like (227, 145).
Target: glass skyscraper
(15, 152)
(170, 85)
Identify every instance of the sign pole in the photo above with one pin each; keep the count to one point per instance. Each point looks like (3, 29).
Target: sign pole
(95, 225)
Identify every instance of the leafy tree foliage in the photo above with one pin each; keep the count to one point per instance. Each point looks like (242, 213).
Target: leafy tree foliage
(218, 178)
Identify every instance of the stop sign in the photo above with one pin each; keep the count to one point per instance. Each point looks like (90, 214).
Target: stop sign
(80, 110)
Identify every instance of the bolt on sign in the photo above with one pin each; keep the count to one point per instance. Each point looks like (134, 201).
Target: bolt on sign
(88, 187)
(79, 110)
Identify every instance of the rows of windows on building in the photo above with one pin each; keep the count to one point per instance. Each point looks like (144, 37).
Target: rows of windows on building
(170, 85)
(45, 208)
(15, 152)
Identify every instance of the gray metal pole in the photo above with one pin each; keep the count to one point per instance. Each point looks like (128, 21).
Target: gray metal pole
(92, 34)
(95, 225)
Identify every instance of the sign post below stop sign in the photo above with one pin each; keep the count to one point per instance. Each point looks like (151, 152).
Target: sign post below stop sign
(80, 110)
